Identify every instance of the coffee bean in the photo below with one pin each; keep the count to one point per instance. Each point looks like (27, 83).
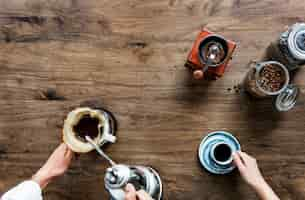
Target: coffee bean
(272, 78)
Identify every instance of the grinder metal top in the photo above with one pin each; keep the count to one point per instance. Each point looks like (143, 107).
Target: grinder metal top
(213, 51)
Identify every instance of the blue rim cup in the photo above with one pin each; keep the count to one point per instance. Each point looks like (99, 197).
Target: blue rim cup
(221, 154)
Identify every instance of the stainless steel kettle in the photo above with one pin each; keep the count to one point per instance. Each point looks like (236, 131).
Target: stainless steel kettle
(142, 177)
(119, 175)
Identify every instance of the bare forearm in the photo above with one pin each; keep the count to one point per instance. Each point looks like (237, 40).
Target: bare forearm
(250, 172)
(43, 178)
(265, 192)
(55, 166)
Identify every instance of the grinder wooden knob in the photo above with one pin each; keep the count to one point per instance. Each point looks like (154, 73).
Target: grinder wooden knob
(198, 74)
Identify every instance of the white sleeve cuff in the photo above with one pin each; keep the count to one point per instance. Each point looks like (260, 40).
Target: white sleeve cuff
(27, 190)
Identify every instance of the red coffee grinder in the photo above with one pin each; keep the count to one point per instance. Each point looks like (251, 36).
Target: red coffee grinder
(210, 55)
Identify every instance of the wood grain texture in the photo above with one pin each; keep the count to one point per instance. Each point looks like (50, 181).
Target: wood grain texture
(129, 55)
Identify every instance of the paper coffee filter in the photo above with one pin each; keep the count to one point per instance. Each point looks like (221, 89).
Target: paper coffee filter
(70, 137)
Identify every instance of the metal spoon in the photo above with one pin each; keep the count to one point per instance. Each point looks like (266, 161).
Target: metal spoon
(99, 150)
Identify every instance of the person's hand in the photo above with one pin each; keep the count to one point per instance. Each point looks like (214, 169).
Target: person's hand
(55, 166)
(250, 172)
(132, 194)
(248, 168)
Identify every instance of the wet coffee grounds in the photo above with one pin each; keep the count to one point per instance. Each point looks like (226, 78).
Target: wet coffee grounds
(272, 78)
(87, 125)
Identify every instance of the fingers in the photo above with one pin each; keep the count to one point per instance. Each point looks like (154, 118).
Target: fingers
(130, 192)
(68, 153)
(238, 162)
(142, 195)
(248, 160)
(245, 156)
(130, 188)
(68, 156)
(61, 148)
(64, 149)
(130, 196)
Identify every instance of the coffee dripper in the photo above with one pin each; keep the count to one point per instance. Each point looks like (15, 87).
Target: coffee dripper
(119, 175)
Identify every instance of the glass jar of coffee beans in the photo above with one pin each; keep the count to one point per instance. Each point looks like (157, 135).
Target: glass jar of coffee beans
(265, 79)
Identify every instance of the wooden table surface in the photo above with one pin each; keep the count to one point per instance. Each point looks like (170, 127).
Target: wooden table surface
(129, 56)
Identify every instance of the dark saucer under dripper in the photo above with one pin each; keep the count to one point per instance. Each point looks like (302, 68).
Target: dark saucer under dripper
(215, 152)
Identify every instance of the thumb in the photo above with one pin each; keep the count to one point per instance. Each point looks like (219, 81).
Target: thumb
(130, 192)
(238, 162)
(68, 153)
(130, 188)
(142, 195)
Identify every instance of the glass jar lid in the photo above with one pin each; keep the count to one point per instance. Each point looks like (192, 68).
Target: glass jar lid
(296, 41)
(287, 99)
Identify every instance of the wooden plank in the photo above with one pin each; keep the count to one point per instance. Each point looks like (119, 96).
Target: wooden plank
(129, 55)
